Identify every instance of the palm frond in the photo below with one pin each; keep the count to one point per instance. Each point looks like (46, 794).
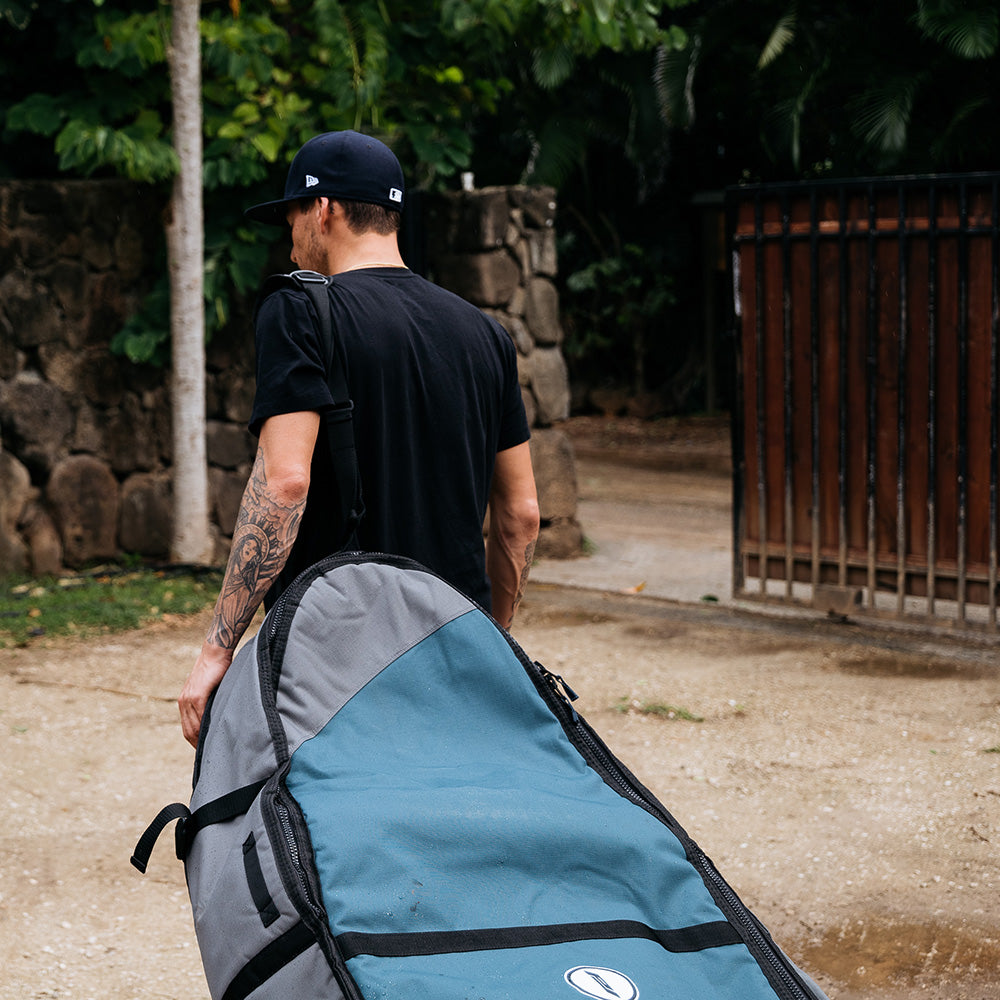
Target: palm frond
(673, 80)
(882, 115)
(558, 150)
(969, 33)
(552, 67)
(953, 141)
(782, 36)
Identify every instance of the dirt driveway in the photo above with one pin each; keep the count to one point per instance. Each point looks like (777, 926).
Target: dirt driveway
(846, 782)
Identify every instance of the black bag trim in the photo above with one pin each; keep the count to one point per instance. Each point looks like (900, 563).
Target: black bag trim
(279, 953)
(225, 807)
(257, 884)
(682, 939)
(144, 848)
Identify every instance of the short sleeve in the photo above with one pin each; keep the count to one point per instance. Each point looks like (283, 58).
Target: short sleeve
(291, 376)
(513, 420)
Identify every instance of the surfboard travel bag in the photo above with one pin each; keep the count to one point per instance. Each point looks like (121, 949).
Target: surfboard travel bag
(393, 802)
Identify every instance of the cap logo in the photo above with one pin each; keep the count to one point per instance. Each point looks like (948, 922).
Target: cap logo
(311, 181)
(395, 194)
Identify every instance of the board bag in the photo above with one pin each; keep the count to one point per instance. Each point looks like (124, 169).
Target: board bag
(393, 802)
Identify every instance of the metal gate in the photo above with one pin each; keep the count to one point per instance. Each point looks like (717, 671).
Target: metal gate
(866, 420)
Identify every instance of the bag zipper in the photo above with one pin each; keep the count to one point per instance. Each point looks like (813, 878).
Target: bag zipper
(738, 910)
(318, 917)
(293, 849)
(594, 750)
(592, 747)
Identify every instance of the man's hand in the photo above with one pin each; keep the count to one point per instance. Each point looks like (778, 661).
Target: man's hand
(209, 669)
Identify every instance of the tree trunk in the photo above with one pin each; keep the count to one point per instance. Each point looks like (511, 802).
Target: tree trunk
(191, 540)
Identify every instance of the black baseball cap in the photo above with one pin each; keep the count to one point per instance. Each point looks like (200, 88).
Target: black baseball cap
(345, 165)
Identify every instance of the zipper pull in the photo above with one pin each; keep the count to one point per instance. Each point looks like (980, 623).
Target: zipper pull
(562, 689)
(570, 693)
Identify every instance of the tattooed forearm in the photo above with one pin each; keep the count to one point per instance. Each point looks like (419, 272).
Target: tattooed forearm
(522, 583)
(266, 528)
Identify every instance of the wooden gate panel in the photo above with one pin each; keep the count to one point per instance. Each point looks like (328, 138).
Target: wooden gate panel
(866, 430)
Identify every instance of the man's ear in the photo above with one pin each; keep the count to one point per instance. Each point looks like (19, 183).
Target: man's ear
(330, 208)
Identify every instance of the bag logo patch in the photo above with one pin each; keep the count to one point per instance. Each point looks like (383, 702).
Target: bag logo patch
(601, 984)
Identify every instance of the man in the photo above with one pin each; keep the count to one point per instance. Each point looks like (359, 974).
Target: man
(439, 423)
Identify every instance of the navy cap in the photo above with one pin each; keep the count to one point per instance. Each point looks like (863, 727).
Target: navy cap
(345, 165)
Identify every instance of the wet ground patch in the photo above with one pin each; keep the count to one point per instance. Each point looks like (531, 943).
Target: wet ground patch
(881, 953)
(884, 663)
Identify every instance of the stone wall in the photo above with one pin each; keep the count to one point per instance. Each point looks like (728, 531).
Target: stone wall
(85, 440)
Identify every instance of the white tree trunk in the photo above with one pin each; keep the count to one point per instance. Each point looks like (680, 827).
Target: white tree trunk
(191, 541)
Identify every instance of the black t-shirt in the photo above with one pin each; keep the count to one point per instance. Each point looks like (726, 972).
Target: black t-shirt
(436, 396)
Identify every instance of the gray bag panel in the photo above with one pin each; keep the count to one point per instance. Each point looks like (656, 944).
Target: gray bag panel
(236, 747)
(227, 919)
(241, 910)
(378, 612)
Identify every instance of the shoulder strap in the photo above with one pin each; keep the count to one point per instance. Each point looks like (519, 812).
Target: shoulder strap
(338, 421)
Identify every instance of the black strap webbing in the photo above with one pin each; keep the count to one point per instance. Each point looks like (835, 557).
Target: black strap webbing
(338, 423)
(259, 892)
(681, 939)
(228, 806)
(143, 850)
(225, 807)
(270, 960)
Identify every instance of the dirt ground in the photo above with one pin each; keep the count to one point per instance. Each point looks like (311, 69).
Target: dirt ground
(846, 781)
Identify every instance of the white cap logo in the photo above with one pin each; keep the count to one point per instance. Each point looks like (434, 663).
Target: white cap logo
(602, 984)
(395, 194)
(311, 181)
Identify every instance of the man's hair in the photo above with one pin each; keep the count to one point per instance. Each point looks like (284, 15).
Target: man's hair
(363, 217)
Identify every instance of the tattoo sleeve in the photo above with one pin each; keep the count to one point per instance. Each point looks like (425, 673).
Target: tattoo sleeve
(264, 534)
(522, 583)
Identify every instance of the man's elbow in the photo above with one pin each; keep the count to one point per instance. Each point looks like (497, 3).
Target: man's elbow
(290, 488)
(524, 521)
(532, 519)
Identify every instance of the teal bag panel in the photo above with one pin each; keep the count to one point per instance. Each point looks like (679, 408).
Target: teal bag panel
(607, 970)
(445, 795)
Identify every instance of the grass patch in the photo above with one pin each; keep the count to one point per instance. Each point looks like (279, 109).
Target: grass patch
(102, 600)
(660, 711)
(995, 749)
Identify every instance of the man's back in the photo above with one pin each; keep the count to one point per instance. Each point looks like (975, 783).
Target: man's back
(435, 391)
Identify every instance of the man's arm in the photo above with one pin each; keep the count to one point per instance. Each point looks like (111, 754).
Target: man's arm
(266, 527)
(510, 545)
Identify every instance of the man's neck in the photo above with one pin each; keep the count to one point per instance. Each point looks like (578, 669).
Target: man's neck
(365, 250)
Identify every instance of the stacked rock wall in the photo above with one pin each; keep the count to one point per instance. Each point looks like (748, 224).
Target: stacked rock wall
(85, 439)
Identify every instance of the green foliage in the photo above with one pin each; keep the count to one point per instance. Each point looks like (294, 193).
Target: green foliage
(805, 84)
(969, 30)
(617, 305)
(144, 337)
(90, 96)
(626, 705)
(138, 151)
(106, 599)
